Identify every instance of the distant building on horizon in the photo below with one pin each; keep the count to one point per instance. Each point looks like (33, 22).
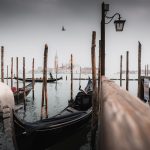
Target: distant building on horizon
(65, 69)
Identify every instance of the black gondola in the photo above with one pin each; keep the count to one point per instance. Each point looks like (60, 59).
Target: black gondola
(39, 79)
(43, 133)
(19, 96)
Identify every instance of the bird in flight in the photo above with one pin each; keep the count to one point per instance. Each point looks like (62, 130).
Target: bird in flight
(63, 29)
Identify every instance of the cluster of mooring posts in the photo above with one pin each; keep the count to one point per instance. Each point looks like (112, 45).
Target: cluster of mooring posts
(116, 113)
(120, 116)
(6, 109)
(143, 81)
(16, 90)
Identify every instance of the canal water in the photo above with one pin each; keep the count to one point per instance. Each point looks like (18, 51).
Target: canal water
(58, 96)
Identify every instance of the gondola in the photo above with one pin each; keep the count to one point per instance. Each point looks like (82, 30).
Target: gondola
(40, 79)
(19, 96)
(46, 132)
(51, 79)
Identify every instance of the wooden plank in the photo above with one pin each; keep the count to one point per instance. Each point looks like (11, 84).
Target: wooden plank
(126, 122)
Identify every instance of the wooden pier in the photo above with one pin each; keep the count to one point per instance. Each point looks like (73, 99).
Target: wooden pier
(125, 120)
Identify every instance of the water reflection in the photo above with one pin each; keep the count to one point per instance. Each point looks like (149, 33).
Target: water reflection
(58, 96)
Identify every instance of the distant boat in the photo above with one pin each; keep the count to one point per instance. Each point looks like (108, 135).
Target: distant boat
(51, 79)
(19, 96)
(39, 79)
(63, 29)
(34, 135)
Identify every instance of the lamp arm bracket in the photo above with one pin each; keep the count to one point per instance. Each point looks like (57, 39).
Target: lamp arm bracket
(111, 18)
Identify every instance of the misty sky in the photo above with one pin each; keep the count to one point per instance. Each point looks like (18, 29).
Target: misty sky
(26, 25)
(136, 13)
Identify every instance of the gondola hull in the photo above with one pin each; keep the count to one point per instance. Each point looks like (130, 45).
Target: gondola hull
(19, 96)
(49, 135)
(43, 133)
(40, 79)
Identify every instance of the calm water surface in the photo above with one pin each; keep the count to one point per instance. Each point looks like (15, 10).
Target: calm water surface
(58, 96)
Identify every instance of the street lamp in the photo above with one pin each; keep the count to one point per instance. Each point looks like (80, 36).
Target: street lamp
(119, 25)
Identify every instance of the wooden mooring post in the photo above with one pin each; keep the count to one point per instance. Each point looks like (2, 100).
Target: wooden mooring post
(56, 66)
(94, 94)
(99, 71)
(121, 70)
(7, 74)
(24, 83)
(99, 99)
(33, 80)
(11, 72)
(147, 70)
(17, 79)
(71, 72)
(2, 63)
(139, 70)
(80, 79)
(127, 70)
(140, 78)
(125, 118)
(56, 74)
(44, 86)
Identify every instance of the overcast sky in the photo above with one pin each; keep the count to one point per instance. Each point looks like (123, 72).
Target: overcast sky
(26, 25)
(136, 13)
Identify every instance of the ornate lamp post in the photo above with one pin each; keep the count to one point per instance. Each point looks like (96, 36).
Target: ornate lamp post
(119, 25)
